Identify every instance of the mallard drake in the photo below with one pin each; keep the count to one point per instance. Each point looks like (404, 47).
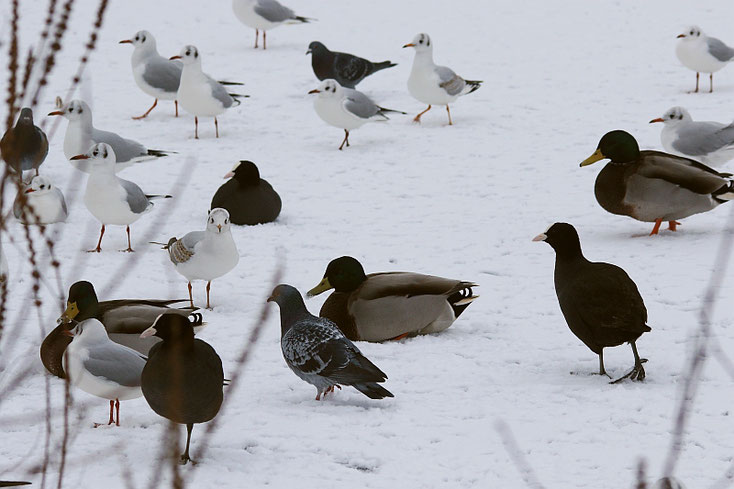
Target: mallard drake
(389, 305)
(600, 302)
(652, 186)
(248, 198)
(124, 320)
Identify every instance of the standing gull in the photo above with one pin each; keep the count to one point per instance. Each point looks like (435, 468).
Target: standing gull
(348, 70)
(24, 146)
(40, 203)
(199, 93)
(432, 84)
(81, 135)
(111, 199)
(599, 301)
(155, 75)
(205, 255)
(263, 15)
(346, 108)
(101, 367)
(702, 54)
(709, 142)
(183, 378)
(318, 352)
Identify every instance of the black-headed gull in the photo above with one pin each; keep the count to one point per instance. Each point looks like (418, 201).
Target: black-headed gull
(205, 255)
(263, 15)
(112, 200)
(81, 135)
(157, 76)
(200, 94)
(709, 142)
(99, 366)
(346, 108)
(433, 84)
(24, 146)
(702, 54)
(348, 70)
(40, 203)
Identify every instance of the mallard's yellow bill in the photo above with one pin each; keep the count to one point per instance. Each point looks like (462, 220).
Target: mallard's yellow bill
(593, 158)
(323, 286)
(72, 310)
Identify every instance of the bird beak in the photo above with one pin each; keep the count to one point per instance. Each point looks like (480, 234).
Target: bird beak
(67, 332)
(680, 36)
(323, 286)
(315, 90)
(270, 299)
(593, 158)
(540, 237)
(56, 112)
(148, 332)
(409, 45)
(30, 190)
(657, 120)
(308, 52)
(72, 310)
(229, 175)
(175, 57)
(219, 227)
(79, 157)
(125, 41)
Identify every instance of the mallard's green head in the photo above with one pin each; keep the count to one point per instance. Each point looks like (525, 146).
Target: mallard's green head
(618, 146)
(344, 274)
(82, 302)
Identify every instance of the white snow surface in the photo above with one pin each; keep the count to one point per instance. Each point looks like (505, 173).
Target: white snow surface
(461, 201)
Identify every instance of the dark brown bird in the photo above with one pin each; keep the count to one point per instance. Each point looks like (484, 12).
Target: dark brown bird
(600, 302)
(248, 198)
(25, 146)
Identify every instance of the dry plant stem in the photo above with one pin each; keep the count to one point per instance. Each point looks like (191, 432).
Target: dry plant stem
(61, 27)
(12, 66)
(65, 439)
(513, 450)
(700, 348)
(40, 50)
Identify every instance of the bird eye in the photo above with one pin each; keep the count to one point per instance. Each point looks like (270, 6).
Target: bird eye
(43, 186)
(420, 42)
(142, 39)
(692, 33)
(680, 117)
(211, 220)
(188, 53)
(71, 109)
(226, 221)
(95, 152)
(137, 38)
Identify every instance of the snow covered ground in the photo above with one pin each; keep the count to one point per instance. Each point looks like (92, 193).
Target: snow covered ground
(461, 202)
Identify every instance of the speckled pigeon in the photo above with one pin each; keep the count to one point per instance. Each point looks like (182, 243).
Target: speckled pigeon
(319, 353)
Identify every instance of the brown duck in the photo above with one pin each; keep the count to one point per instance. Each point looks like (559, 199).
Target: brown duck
(652, 186)
(390, 305)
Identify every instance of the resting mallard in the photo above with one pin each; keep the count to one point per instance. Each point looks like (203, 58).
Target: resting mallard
(652, 186)
(389, 305)
(124, 320)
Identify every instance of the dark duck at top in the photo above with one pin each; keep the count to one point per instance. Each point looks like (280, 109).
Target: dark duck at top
(652, 186)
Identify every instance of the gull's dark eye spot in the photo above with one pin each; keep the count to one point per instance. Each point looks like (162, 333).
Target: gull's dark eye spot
(196, 54)
(188, 53)
(95, 153)
(137, 38)
(680, 117)
(71, 109)
(142, 39)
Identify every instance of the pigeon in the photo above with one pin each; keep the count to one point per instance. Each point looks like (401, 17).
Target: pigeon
(81, 135)
(263, 15)
(24, 146)
(101, 367)
(248, 198)
(40, 203)
(109, 198)
(432, 84)
(348, 70)
(346, 108)
(199, 94)
(652, 186)
(155, 75)
(318, 352)
(702, 54)
(182, 380)
(711, 143)
(600, 302)
(205, 255)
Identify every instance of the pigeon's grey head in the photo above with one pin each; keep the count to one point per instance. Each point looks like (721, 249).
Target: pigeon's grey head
(74, 110)
(40, 185)
(218, 220)
(143, 40)
(26, 116)
(316, 48)
(693, 33)
(421, 42)
(674, 115)
(285, 294)
(329, 88)
(101, 156)
(188, 55)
